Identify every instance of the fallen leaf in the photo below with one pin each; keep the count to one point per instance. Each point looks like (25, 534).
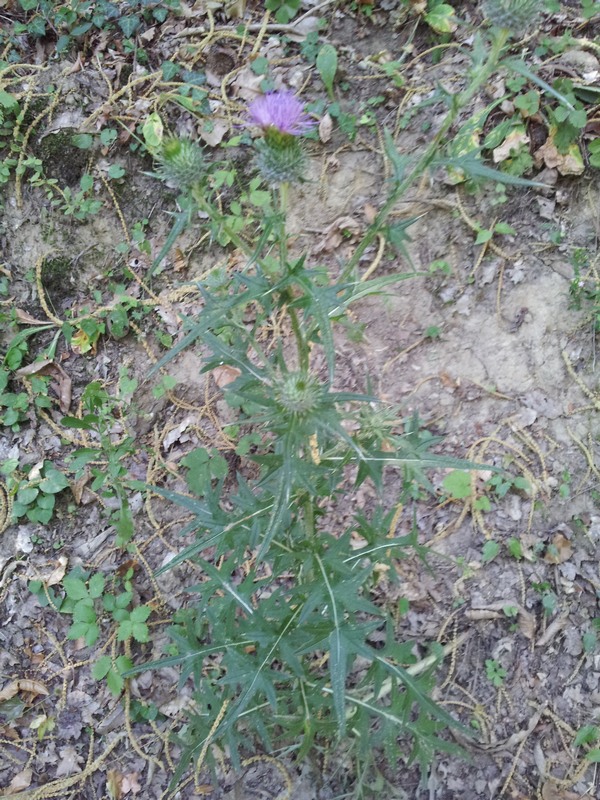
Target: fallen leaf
(526, 622)
(114, 781)
(58, 573)
(70, 761)
(20, 781)
(225, 374)
(341, 229)
(552, 791)
(216, 134)
(34, 368)
(9, 691)
(61, 384)
(78, 487)
(569, 163)
(511, 145)
(559, 550)
(370, 213)
(179, 260)
(27, 319)
(325, 128)
(131, 783)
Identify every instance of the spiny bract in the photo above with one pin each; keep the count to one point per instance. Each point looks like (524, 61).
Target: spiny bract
(513, 15)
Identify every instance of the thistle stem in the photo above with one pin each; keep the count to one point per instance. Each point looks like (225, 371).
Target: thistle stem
(283, 207)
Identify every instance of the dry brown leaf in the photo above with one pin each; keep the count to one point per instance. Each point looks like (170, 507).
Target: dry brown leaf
(552, 791)
(559, 550)
(78, 487)
(179, 260)
(70, 761)
(225, 374)
(341, 229)
(513, 142)
(114, 781)
(325, 128)
(569, 163)
(370, 213)
(23, 685)
(35, 368)
(61, 382)
(27, 319)
(20, 781)
(131, 784)
(527, 624)
(58, 573)
(9, 691)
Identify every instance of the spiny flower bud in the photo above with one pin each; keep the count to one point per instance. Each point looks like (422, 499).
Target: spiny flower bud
(279, 158)
(298, 393)
(513, 15)
(181, 162)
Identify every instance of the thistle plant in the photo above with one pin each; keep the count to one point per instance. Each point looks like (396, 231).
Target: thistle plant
(291, 626)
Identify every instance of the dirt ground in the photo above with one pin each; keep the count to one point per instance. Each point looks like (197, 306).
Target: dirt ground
(488, 349)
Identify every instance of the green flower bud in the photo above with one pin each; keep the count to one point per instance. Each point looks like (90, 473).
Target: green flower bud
(298, 393)
(280, 157)
(181, 162)
(513, 15)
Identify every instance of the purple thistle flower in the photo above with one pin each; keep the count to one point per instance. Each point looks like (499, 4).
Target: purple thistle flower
(282, 111)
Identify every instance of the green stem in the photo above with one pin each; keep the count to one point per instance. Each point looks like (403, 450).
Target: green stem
(459, 101)
(283, 207)
(309, 518)
(303, 348)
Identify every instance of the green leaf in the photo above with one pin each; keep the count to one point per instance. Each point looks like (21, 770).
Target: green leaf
(202, 468)
(83, 140)
(115, 171)
(115, 682)
(140, 632)
(586, 735)
(490, 551)
(86, 423)
(593, 756)
(152, 131)
(483, 236)
(8, 101)
(337, 671)
(458, 484)
(504, 227)
(260, 65)
(129, 25)
(96, 585)
(53, 482)
(80, 30)
(27, 495)
(140, 613)
(169, 70)
(125, 630)
(441, 18)
(101, 668)
(84, 611)
(327, 62)
(77, 630)
(522, 69)
(578, 118)
(75, 588)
